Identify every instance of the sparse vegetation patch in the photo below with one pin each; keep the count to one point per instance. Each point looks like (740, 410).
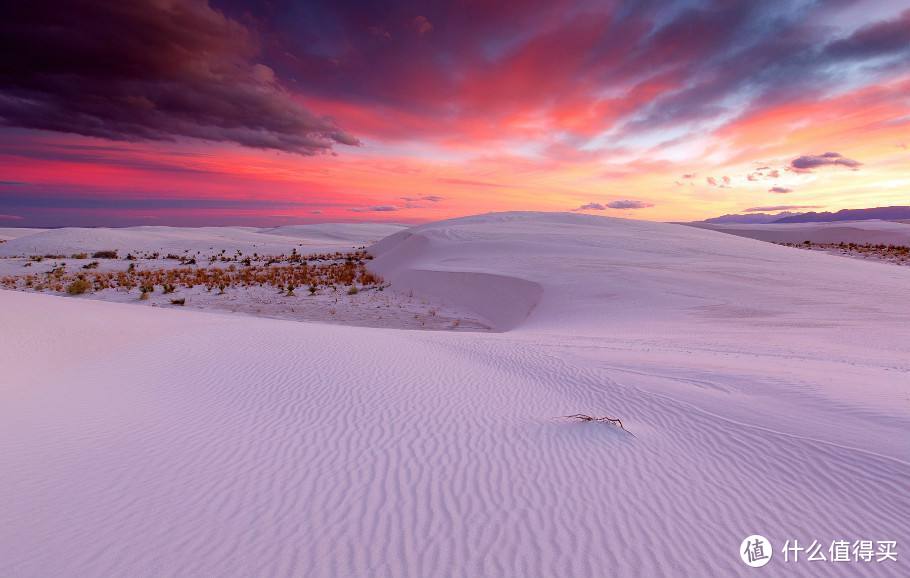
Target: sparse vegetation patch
(283, 273)
(897, 254)
(335, 287)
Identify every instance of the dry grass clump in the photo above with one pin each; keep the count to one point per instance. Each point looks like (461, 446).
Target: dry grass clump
(78, 286)
(104, 255)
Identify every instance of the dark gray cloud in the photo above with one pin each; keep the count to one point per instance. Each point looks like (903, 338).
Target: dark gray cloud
(591, 207)
(42, 205)
(711, 58)
(891, 37)
(628, 204)
(780, 190)
(152, 70)
(618, 204)
(766, 53)
(36, 198)
(162, 69)
(171, 161)
(808, 162)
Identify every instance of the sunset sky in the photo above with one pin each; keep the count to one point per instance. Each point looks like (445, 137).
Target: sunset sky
(187, 112)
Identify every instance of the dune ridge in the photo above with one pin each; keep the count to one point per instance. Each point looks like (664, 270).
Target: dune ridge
(274, 240)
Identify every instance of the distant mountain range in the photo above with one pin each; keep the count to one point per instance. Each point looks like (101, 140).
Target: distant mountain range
(895, 213)
(883, 213)
(749, 218)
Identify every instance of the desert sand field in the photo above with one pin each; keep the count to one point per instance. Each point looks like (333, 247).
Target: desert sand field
(869, 240)
(762, 390)
(872, 231)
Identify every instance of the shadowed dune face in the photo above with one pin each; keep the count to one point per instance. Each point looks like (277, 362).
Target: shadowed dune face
(504, 302)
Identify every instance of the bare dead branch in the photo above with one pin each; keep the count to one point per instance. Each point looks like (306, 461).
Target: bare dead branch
(587, 418)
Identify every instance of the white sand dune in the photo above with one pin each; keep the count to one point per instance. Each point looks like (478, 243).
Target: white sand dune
(767, 390)
(594, 274)
(207, 240)
(343, 233)
(872, 231)
(7, 233)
